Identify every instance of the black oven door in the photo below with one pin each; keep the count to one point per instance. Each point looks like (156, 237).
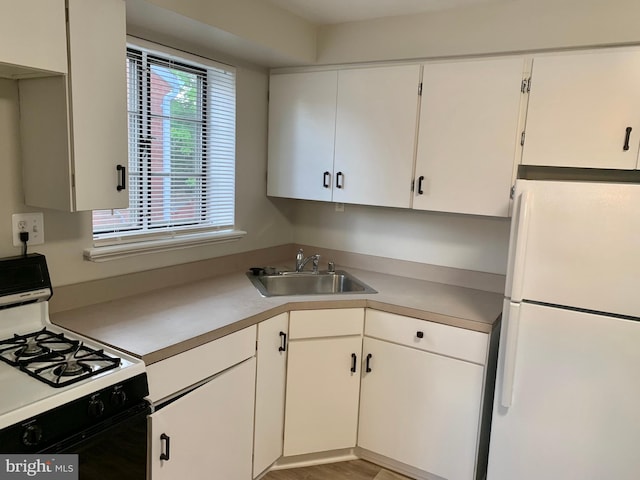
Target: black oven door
(115, 449)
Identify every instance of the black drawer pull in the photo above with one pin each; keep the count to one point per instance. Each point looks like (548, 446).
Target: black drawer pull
(420, 180)
(339, 183)
(166, 454)
(354, 360)
(419, 334)
(283, 342)
(627, 137)
(368, 364)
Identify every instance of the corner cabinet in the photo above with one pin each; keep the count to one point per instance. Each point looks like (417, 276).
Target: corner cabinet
(344, 136)
(466, 154)
(323, 380)
(584, 110)
(203, 398)
(74, 128)
(421, 394)
(271, 374)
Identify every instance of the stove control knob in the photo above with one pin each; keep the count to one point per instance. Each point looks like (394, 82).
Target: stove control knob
(96, 407)
(32, 435)
(118, 397)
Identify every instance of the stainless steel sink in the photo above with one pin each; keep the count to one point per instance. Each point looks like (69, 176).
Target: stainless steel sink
(308, 283)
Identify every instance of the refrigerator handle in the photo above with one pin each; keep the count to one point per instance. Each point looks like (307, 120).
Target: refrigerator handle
(519, 256)
(510, 355)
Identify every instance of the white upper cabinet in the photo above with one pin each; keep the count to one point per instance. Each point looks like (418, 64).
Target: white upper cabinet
(468, 136)
(376, 123)
(584, 110)
(33, 37)
(302, 116)
(344, 136)
(74, 130)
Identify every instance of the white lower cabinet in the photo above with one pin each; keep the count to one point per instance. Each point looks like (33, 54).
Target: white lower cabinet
(418, 407)
(323, 380)
(202, 424)
(271, 374)
(208, 433)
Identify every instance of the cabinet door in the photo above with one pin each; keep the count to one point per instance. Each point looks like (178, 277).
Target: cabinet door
(270, 389)
(468, 135)
(74, 130)
(302, 116)
(33, 36)
(580, 108)
(376, 135)
(209, 430)
(421, 409)
(322, 395)
(98, 102)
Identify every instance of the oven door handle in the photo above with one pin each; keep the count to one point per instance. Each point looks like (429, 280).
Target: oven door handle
(167, 452)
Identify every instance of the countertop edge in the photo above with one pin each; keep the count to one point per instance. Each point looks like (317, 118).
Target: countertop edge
(218, 333)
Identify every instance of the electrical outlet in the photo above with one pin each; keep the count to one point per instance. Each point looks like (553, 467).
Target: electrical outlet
(28, 222)
(339, 207)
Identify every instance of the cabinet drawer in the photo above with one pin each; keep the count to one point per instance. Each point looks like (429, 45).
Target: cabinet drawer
(437, 338)
(326, 323)
(185, 369)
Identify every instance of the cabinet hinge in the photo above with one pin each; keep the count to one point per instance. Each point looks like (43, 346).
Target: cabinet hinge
(420, 89)
(522, 138)
(413, 185)
(512, 192)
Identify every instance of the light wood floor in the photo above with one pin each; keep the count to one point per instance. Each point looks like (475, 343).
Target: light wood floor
(351, 470)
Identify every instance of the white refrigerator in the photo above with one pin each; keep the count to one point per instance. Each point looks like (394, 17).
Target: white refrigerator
(567, 399)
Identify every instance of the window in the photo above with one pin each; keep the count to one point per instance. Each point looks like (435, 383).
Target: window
(181, 175)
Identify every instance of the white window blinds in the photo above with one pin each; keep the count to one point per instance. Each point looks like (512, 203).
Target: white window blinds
(181, 175)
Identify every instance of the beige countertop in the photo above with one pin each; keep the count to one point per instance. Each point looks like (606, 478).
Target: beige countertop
(156, 325)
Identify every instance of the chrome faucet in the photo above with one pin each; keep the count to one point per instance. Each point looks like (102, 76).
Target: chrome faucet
(301, 261)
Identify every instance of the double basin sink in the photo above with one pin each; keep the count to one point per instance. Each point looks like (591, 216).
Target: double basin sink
(307, 283)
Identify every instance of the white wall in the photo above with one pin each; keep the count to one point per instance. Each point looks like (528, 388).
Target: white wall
(252, 29)
(67, 234)
(513, 26)
(459, 241)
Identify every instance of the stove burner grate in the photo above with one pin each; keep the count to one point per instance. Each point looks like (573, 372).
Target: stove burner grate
(19, 347)
(55, 359)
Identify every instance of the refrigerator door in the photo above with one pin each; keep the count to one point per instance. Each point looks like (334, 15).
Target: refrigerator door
(576, 244)
(573, 412)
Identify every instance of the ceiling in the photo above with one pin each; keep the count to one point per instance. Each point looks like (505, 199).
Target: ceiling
(324, 12)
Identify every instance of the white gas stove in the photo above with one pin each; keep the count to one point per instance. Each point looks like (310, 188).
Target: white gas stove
(48, 373)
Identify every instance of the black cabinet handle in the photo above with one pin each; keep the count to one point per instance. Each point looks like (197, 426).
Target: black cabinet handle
(354, 360)
(420, 180)
(339, 176)
(419, 334)
(166, 454)
(123, 177)
(627, 137)
(368, 366)
(283, 342)
(326, 179)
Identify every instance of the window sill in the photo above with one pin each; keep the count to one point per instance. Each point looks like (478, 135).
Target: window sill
(124, 250)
